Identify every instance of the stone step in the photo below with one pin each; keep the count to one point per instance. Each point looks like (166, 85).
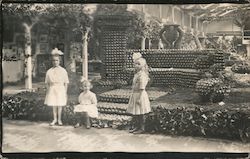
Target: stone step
(176, 58)
(122, 95)
(169, 76)
(112, 108)
(170, 70)
(111, 120)
(114, 117)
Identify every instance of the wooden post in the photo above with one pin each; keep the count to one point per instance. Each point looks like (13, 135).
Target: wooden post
(172, 18)
(248, 51)
(149, 43)
(143, 43)
(85, 54)
(182, 19)
(160, 45)
(160, 11)
(202, 41)
(197, 41)
(28, 76)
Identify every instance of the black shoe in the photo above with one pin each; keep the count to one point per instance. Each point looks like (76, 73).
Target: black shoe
(139, 131)
(133, 130)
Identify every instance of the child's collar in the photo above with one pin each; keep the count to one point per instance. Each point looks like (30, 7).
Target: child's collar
(56, 66)
(139, 72)
(86, 91)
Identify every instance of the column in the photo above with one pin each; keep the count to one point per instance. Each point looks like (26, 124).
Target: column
(182, 19)
(149, 43)
(85, 55)
(143, 8)
(160, 45)
(28, 60)
(204, 27)
(197, 24)
(197, 41)
(190, 21)
(248, 51)
(172, 10)
(160, 12)
(202, 41)
(143, 43)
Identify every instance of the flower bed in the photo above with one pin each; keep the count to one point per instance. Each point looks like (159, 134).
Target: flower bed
(241, 67)
(231, 121)
(25, 105)
(212, 89)
(30, 106)
(112, 121)
(228, 123)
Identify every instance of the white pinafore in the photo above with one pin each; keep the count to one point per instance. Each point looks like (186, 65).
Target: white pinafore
(56, 95)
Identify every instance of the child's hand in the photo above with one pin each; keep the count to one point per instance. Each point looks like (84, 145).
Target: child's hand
(138, 102)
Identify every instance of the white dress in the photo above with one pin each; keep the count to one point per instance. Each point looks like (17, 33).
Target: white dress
(88, 104)
(139, 103)
(56, 95)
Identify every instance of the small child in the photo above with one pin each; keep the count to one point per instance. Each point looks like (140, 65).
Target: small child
(139, 103)
(88, 105)
(56, 87)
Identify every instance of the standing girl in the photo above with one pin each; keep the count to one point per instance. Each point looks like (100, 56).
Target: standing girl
(139, 103)
(56, 81)
(88, 105)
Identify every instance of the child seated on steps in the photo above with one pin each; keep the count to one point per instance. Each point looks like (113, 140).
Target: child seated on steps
(87, 106)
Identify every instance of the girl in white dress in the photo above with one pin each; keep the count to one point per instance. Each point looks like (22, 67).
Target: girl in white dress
(88, 105)
(139, 103)
(56, 81)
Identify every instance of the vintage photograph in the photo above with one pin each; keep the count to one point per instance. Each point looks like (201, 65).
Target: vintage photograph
(126, 78)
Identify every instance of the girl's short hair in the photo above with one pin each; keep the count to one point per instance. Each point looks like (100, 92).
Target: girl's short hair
(144, 65)
(86, 82)
(142, 61)
(136, 56)
(55, 56)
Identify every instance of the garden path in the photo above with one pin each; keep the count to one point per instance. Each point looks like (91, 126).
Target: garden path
(25, 136)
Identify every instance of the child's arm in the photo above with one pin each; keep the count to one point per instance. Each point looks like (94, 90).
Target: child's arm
(79, 98)
(94, 99)
(66, 81)
(142, 85)
(66, 87)
(143, 80)
(47, 81)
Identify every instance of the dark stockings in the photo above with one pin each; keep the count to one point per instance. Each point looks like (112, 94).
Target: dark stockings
(80, 117)
(87, 120)
(139, 123)
(142, 122)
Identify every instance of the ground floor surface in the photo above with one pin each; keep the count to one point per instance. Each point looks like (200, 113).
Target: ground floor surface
(25, 136)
